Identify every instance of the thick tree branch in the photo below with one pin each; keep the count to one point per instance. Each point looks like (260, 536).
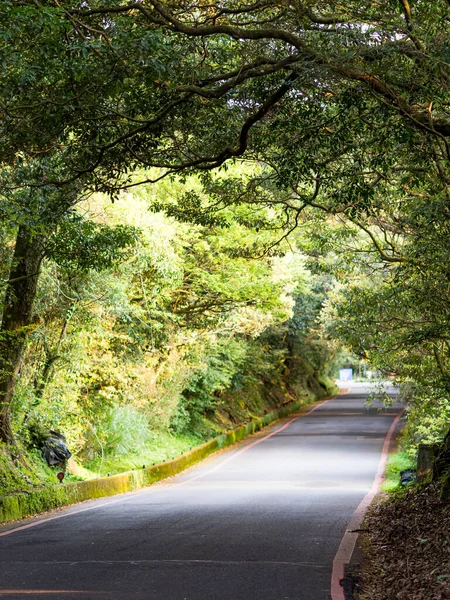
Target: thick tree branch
(238, 79)
(325, 20)
(376, 243)
(161, 15)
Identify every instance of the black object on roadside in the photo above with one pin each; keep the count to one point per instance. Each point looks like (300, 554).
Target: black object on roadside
(408, 476)
(55, 449)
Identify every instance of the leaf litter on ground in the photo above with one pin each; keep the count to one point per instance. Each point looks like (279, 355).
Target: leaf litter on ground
(407, 547)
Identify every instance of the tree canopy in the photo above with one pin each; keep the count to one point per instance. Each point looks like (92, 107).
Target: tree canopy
(343, 111)
(191, 84)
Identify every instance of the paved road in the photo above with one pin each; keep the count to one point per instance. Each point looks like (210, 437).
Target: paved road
(263, 524)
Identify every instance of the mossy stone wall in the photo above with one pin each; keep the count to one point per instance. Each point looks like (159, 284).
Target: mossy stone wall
(26, 504)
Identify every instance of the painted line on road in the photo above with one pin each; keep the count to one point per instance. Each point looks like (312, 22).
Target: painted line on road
(249, 446)
(61, 516)
(47, 592)
(348, 542)
(278, 482)
(180, 561)
(159, 487)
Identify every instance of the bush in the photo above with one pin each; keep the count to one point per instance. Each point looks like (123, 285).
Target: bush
(124, 430)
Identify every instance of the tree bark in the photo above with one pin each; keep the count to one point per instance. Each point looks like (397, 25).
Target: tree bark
(51, 356)
(17, 318)
(50, 359)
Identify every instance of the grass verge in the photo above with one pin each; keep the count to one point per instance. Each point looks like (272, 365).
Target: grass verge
(397, 462)
(164, 446)
(16, 506)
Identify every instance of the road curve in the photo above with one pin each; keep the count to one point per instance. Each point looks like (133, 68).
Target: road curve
(262, 521)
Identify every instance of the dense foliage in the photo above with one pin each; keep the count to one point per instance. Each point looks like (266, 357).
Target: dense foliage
(144, 326)
(344, 113)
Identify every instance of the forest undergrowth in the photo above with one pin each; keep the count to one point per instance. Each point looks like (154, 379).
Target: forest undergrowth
(139, 355)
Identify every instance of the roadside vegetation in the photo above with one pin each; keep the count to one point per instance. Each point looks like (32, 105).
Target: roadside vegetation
(151, 336)
(201, 204)
(396, 463)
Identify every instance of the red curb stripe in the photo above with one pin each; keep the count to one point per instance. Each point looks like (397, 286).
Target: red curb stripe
(347, 546)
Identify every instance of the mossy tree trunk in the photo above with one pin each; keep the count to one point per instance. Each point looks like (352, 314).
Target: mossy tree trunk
(17, 318)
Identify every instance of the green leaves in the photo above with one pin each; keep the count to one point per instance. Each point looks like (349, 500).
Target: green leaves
(341, 113)
(81, 245)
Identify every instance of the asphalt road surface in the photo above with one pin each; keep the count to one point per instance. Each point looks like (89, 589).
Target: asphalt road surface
(262, 523)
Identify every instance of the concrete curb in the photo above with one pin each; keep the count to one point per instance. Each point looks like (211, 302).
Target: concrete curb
(27, 504)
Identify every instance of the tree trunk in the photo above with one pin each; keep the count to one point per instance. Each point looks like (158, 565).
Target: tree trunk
(45, 378)
(17, 318)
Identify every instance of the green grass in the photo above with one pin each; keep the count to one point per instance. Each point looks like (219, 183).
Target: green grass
(164, 446)
(24, 472)
(396, 462)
